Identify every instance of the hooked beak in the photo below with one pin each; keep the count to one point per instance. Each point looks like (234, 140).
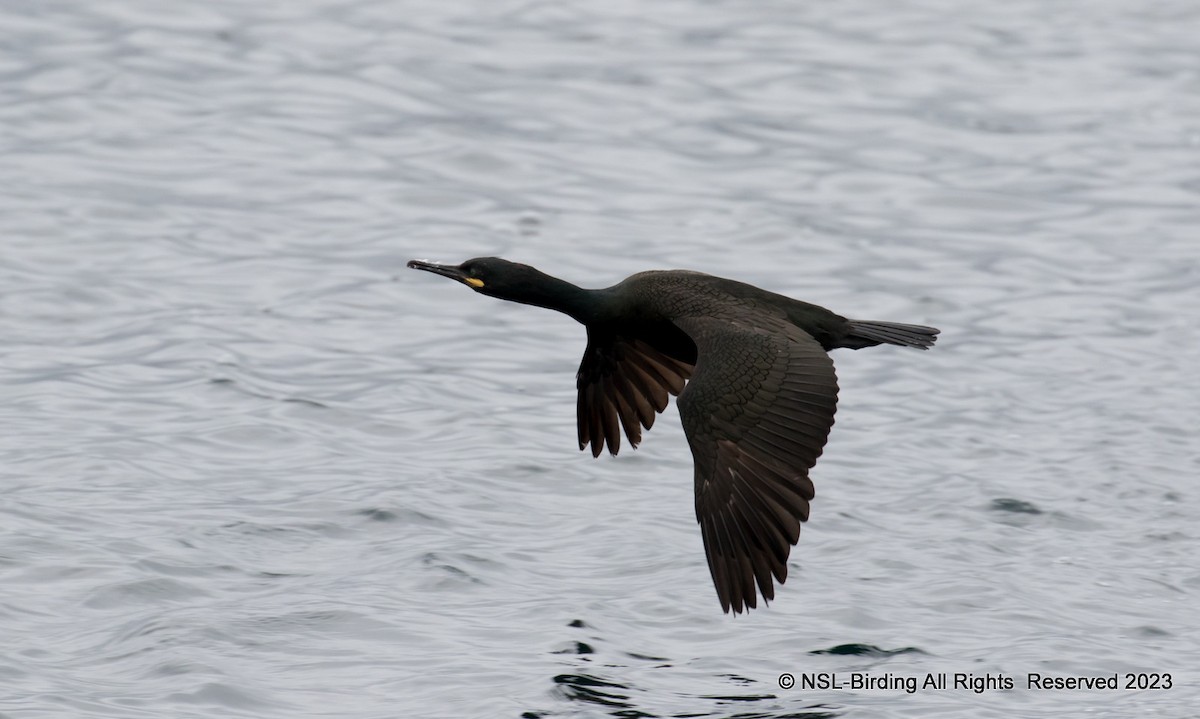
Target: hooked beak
(451, 271)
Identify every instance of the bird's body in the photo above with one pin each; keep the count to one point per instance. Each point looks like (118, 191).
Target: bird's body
(756, 393)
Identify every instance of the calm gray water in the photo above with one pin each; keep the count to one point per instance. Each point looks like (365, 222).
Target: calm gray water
(252, 467)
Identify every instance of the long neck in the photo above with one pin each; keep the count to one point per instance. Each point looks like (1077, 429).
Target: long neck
(585, 306)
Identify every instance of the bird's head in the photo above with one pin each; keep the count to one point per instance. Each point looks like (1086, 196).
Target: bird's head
(489, 276)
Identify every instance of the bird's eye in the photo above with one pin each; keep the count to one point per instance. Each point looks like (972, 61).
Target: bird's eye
(470, 275)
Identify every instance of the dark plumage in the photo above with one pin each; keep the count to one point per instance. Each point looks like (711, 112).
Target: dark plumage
(757, 393)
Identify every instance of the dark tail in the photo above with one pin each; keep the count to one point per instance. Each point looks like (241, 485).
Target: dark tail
(865, 333)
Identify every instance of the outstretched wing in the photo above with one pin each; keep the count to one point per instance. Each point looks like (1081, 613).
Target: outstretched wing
(756, 412)
(626, 381)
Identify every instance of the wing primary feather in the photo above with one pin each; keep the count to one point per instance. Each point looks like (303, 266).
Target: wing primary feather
(787, 524)
(755, 540)
(644, 411)
(715, 566)
(770, 533)
(581, 417)
(608, 414)
(659, 374)
(650, 386)
(595, 423)
(629, 418)
(743, 552)
(673, 372)
(741, 574)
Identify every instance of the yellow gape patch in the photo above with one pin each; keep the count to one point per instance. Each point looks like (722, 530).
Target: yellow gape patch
(473, 282)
